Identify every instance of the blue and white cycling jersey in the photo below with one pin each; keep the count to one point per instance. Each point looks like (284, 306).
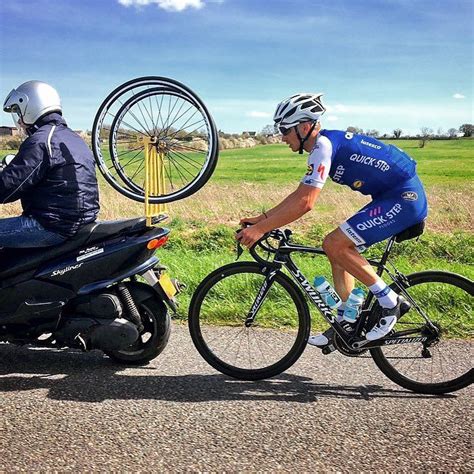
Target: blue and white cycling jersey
(363, 163)
(370, 167)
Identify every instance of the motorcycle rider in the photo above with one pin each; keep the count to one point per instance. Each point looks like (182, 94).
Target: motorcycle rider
(53, 173)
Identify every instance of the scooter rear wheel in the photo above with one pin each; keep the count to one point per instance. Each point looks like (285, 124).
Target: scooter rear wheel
(155, 335)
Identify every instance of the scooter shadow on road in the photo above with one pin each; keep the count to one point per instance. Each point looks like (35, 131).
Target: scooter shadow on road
(92, 377)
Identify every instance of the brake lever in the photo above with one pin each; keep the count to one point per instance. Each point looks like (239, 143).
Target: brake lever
(238, 247)
(239, 250)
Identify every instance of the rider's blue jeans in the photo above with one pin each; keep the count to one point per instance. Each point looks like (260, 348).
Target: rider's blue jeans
(24, 232)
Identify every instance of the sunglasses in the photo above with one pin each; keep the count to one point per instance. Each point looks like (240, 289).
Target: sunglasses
(285, 131)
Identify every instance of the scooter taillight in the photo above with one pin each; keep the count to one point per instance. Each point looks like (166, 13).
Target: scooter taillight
(155, 243)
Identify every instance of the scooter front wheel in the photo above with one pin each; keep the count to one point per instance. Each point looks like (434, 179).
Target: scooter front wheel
(156, 328)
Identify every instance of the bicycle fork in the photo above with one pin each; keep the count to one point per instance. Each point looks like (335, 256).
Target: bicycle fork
(260, 298)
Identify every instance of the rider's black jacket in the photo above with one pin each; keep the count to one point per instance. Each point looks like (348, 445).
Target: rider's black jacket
(54, 176)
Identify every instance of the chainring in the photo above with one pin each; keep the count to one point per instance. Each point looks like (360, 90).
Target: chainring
(343, 349)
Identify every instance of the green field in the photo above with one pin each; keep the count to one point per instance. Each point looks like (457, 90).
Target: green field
(440, 162)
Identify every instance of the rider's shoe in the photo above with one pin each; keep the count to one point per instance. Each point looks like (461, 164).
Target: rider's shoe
(325, 339)
(388, 319)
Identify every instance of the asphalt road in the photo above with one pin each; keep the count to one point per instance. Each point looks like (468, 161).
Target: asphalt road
(69, 411)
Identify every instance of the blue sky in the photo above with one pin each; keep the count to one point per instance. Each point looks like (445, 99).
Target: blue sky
(381, 64)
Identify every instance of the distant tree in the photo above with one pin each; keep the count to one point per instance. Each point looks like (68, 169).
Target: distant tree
(452, 133)
(223, 134)
(425, 135)
(372, 133)
(269, 129)
(440, 132)
(397, 132)
(467, 129)
(352, 129)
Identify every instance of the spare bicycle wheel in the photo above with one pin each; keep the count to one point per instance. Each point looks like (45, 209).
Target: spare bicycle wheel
(155, 112)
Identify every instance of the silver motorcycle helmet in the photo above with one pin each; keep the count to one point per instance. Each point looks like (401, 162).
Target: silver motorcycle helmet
(30, 101)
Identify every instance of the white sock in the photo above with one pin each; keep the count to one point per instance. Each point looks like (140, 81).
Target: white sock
(384, 294)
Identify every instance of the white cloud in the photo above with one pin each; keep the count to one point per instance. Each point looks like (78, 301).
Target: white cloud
(339, 108)
(168, 5)
(257, 114)
(458, 96)
(332, 118)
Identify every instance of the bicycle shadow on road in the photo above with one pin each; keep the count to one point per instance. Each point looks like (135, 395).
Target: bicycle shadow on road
(91, 377)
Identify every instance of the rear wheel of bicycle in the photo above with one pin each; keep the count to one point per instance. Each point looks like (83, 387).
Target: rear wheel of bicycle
(446, 364)
(219, 308)
(172, 119)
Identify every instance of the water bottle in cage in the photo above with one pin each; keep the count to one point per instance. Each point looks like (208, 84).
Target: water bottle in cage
(327, 292)
(353, 305)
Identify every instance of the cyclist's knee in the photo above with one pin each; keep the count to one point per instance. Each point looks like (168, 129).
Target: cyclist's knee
(336, 243)
(330, 245)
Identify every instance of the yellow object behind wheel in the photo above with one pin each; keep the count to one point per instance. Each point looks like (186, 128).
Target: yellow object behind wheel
(154, 180)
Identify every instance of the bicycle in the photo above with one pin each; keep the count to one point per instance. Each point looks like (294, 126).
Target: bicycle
(251, 321)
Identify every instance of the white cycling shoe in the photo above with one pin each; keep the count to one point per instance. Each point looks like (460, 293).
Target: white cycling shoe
(325, 338)
(389, 318)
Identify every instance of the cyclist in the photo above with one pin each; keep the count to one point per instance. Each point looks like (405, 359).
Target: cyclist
(53, 172)
(367, 166)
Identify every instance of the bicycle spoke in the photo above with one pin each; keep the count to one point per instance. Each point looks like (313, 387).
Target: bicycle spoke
(143, 116)
(174, 118)
(140, 168)
(129, 151)
(186, 159)
(169, 114)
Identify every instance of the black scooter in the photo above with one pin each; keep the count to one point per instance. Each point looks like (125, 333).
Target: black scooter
(103, 289)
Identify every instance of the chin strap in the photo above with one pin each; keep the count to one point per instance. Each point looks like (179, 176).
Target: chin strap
(303, 140)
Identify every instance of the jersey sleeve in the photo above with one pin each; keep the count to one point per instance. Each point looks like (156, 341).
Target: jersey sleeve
(25, 171)
(319, 164)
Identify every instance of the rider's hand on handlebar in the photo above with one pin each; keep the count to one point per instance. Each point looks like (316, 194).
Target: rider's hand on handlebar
(249, 235)
(246, 221)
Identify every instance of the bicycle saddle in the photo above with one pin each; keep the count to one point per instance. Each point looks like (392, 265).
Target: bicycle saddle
(412, 232)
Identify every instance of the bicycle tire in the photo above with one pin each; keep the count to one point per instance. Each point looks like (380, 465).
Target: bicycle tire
(450, 292)
(282, 288)
(116, 98)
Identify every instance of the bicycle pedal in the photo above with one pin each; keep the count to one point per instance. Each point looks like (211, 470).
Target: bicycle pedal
(326, 350)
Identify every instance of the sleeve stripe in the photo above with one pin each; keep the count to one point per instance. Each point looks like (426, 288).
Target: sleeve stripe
(49, 141)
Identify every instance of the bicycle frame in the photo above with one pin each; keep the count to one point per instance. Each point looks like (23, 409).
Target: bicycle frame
(283, 259)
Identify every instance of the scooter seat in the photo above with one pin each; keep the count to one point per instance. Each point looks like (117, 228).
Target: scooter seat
(14, 261)
(105, 229)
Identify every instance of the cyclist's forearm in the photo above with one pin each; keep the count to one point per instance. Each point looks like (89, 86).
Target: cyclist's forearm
(287, 212)
(282, 205)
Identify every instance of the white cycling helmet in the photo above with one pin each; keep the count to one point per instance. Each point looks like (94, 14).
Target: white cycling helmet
(299, 108)
(30, 101)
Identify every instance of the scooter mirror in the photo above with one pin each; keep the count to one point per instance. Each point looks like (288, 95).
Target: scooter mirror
(7, 160)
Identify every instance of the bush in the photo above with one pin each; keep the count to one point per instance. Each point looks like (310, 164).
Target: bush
(11, 143)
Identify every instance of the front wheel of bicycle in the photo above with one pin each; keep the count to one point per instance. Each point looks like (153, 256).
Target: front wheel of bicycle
(218, 311)
(444, 312)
